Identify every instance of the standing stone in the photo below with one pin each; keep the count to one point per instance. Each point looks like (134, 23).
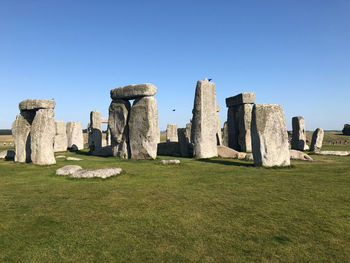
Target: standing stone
(143, 128)
(218, 132)
(317, 140)
(225, 135)
(108, 136)
(75, 137)
(95, 131)
(299, 134)
(269, 136)
(184, 142)
(188, 131)
(42, 137)
(119, 129)
(171, 133)
(21, 135)
(238, 121)
(60, 140)
(204, 121)
(244, 122)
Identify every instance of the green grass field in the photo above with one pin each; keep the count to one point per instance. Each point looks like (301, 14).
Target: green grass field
(216, 210)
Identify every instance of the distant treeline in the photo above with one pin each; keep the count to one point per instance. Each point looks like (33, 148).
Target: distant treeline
(5, 132)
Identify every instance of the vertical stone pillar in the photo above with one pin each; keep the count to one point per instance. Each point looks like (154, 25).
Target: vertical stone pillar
(299, 134)
(171, 133)
(95, 133)
(238, 121)
(269, 136)
(75, 138)
(60, 140)
(42, 137)
(225, 135)
(218, 132)
(317, 140)
(119, 128)
(204, 121)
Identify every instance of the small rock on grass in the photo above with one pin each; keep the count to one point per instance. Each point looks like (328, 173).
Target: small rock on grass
(60, 156)
(100, 173)
(73, 159)
(170, 161)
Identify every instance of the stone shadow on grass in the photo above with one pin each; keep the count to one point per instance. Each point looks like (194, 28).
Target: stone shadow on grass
(226, 162)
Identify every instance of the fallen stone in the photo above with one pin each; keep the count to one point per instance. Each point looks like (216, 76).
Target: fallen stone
(170, 162)
(60, 156)
(169, 149)
(226, 152)
(299, 155)
(119, 129)
(42, 137)
(269, 136)
(131, 92)
(60, 140)
(100, 173)
(75, 137)
(144, 131)
(243, 98)
(204, 121)
(299, 134)
(73, 159)
(68, 169)
(338, 153)
(36, 104)
(8, 155)
(249, 157)
(171, 133)
(317, 140)
(104, 151)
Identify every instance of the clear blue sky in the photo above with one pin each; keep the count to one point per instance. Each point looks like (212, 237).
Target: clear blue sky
(290, 52)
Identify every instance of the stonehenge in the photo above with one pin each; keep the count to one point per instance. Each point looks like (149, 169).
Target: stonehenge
(134, 130)
(317, 140)
(75, 139)
(204, 121)
(34, 131)
(239, 117)
(95, 131)
(299, 134)
(171, 133)
(269, 136)
(60, 140)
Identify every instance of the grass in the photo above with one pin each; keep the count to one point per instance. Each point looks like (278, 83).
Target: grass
(215, 210)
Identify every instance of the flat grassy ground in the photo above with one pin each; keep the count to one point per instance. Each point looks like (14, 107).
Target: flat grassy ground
(216, 210)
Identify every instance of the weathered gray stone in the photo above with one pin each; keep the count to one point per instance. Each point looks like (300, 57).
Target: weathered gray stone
(104, 151)
(100, 173)
(171, 133)
(75, 137)
(68, 169)
(204, 121)
(60, 156)
(36, 104)
(188, 131)
(42, 137)
(238, 127)
(226, 152)
(299, 155)
(244, 123)
(95, 131)
(249, 157)
(218, 131)
(131, 92)
(21, 135)
(269, 136)
(317, 140)
(144, 131)
(166, 162)
(242, 98)
(119, 129)
(184, 143)
(299, 134)
(225, 135)
(104, 120)
(60, 140)
(108, 137)
(73, 159)
(8, 155)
